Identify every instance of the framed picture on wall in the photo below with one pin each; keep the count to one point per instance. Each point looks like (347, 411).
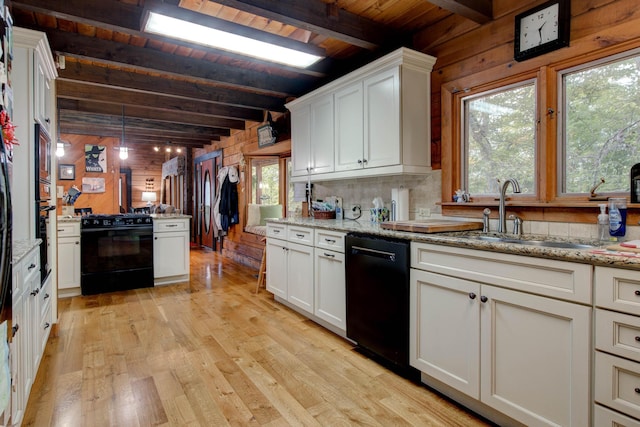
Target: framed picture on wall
(67, 172)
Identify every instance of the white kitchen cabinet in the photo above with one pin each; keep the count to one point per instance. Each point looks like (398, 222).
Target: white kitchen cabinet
(312, 126)
(617, 345)
(523, 355)
(43, 81)
(381, 121)
(26, 341)
(170, 250)
(68, 258)
(290, 265)
(330, 286)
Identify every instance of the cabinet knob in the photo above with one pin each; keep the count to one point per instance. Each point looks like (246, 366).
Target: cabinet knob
(46, 296)
(637, 389)
(31, 266)
(46, 325)
(35, 292)
(155, 238)
(484, 299)
(637, 338)
(637, 293)
(14, 330)
(77, 243)
(359, 161)
(364, 161)
(472, 295)
(48, 120)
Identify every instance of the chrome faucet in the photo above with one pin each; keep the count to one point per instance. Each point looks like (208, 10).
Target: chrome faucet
(502, 222)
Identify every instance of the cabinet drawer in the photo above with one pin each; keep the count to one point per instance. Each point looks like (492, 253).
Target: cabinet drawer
(617, 383)
(618, 333)
(66, 229)
(167, 225)
(618, 289)
(302, 235)
(278, 231)
(31, 265)
(604, 417)
(45, 297)
(557, 279)
(331, 240)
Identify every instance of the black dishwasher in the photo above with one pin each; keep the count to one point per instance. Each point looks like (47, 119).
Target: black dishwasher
(377, 282)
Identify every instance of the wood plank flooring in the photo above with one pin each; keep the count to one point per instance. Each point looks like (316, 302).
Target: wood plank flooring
(212, 353)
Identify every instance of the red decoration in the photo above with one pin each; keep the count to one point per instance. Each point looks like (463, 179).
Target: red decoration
(8, 130)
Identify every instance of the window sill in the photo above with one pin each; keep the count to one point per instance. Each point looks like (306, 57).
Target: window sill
(580, 212)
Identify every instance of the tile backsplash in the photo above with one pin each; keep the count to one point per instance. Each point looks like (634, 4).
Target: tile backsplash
(425, 193)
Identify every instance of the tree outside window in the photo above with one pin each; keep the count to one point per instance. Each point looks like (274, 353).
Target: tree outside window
(500, 139)
(601, 125)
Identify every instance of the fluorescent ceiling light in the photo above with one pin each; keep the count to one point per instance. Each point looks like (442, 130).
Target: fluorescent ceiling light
(196, 33)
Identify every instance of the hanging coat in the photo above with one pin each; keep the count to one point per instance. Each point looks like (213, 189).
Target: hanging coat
(226, 208)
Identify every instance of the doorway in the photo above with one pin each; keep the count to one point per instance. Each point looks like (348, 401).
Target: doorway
(206, 172)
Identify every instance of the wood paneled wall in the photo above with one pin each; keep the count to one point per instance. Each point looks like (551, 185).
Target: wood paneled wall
(143, 161)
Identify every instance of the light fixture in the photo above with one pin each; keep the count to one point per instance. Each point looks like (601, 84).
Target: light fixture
(156, 148)
(163, 25)
(124, 152)
(149, 197)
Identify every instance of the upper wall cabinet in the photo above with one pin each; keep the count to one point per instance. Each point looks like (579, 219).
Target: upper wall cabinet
(374, 121)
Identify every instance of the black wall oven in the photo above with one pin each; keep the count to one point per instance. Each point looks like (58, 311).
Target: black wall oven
(117, 253)
(43, 205)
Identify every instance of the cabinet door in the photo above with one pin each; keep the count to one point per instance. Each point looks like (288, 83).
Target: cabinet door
(349, 130)
(535, 358)
(20, 360)
(330, 291)
(444, 330)
(300, 141)
(382, 119)
(300, 276)
(68, 262)
(170, 254)
(277, 267)
(42, 93)
(322, 135)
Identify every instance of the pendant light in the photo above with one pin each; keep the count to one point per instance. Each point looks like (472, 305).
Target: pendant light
(124, 151)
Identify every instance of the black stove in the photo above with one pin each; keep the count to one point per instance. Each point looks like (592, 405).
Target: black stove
(117, 253)
(116, 221)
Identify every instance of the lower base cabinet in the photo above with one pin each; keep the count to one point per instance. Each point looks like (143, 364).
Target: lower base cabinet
(525, 356)
(170, 250)
(31, 323)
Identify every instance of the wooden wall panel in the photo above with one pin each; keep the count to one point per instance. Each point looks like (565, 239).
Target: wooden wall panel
(143, 161)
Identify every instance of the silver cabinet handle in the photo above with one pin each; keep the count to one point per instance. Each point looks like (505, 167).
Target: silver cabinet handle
(329, 240)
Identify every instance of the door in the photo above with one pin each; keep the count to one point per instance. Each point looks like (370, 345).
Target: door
(534, 357)
(277, 267)
(382, 119)
(330, 291)
(300, 276)
(444, 327)
(206, 189)
(349, 128)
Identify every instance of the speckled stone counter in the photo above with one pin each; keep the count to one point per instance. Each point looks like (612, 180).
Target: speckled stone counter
(67, 218)
(160, 217)
(595, 256)
(21, 248)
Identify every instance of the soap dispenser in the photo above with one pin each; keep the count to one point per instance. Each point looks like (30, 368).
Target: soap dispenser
(603, 223)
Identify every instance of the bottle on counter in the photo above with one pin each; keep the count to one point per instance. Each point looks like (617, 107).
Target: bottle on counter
(603, 223)
(617, 217)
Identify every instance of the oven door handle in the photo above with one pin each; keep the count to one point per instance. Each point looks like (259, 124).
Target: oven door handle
(357, 250)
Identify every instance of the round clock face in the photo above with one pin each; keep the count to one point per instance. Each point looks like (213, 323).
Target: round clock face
(539, 28)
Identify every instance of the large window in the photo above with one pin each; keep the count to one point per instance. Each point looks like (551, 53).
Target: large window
(601, 124)
(499, 137)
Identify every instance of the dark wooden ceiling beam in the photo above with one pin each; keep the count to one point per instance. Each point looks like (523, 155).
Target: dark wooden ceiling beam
(133, 125)
(79, 71)
(321, 18)
(147, 59)
(147, 113)
(480, 11)
(75, 90)
(108, 132)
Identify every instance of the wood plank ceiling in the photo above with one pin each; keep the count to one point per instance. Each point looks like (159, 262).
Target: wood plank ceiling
(172, 92)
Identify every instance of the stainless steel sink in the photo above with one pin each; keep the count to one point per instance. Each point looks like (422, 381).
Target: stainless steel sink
(527, 242)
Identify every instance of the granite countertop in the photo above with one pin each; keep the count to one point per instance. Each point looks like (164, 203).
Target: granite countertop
(21, 248)
(597, 255)
(169, 216)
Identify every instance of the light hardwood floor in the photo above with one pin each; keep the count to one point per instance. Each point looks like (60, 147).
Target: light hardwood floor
(212, 353)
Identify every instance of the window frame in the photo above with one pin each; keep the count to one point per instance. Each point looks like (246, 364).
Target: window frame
(464, 143)
(550, 204)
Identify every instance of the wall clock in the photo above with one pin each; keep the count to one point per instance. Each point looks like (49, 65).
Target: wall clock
(542, 29)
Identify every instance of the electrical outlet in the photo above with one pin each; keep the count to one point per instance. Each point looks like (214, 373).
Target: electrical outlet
(424, 213)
